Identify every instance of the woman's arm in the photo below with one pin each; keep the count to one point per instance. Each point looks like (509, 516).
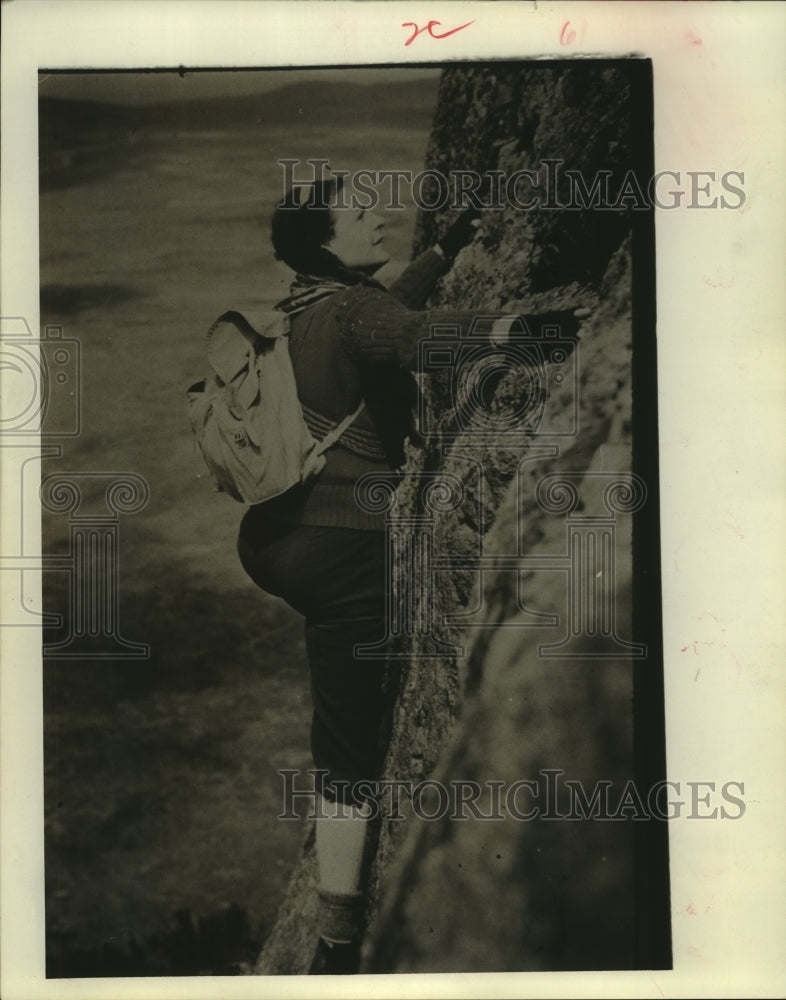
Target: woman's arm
(415, 283)
(377, 328)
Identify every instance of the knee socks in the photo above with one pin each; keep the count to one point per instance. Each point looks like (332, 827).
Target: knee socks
(341, 837)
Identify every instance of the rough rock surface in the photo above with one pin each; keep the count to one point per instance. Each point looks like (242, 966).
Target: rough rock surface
(511, 894)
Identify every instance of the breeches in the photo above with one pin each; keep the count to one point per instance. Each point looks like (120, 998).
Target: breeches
(335, 578)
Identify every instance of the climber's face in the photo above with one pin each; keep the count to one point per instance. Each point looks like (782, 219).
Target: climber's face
(357, 239)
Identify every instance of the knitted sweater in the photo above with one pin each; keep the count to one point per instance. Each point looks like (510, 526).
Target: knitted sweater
(360, 343)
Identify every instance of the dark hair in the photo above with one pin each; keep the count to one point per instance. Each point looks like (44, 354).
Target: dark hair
(298, 233)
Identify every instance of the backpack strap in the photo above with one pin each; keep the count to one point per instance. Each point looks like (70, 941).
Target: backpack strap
(232, 345)
(355, 439)
(330, 439)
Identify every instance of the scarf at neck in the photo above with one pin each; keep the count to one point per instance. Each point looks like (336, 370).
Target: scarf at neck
(306, 290)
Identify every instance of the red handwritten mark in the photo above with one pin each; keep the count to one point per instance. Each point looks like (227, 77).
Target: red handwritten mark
(568, 34)
(430, 29)
(694, 645)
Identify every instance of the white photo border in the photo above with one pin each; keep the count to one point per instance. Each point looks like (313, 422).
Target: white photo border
(719, 105)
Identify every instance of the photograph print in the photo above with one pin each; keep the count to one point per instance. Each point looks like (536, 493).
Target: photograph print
(349, 490)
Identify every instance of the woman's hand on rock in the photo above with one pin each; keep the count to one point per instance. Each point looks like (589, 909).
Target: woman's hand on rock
(459, 233)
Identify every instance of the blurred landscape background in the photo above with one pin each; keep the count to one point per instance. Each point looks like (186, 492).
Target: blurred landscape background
(163, 852)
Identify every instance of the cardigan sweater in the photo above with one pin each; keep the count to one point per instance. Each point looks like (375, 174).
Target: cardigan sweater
(360, 343)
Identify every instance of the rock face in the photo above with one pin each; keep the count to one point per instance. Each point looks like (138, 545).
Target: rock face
(515, 660)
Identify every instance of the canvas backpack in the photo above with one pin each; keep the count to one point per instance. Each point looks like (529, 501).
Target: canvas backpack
(246, 414)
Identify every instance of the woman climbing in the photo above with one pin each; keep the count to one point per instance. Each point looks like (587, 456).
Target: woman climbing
(352, 341)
